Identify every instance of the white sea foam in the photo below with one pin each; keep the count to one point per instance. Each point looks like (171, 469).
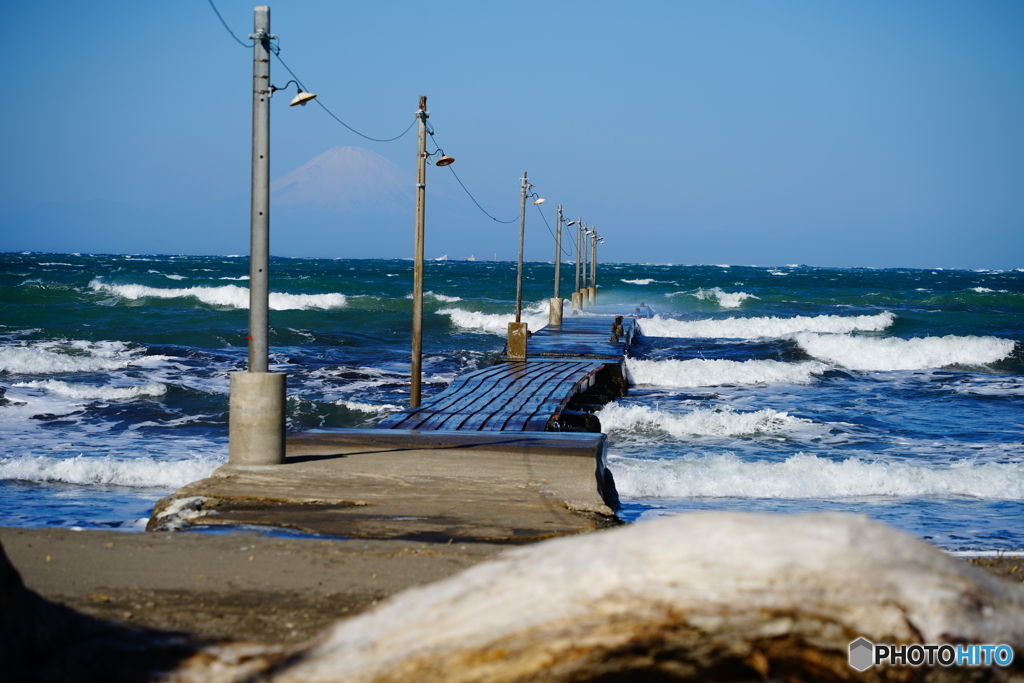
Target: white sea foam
(724, 299)
(41, 358)
(986, 290)
(372, 408)
(174, 277)
(141, 471)
(535, 316)
(808, 476)
(243, 277)
(759, 328)
(642, 281)
(227, 295)
(892, 353)
(90, 392)
(699, 372)
(700, 422)
(438, 297)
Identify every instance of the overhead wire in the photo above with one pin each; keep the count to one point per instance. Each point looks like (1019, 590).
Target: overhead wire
(548, 225)
(226, 27)
(465, 189)
(276, 51)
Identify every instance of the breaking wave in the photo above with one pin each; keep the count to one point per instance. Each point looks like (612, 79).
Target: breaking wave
(717, 294)
(89, 392)
(892, 353)
(44, 358)
(231, 296)
(808, 476)
(760, 328)
(712, 373)
(143, 472)
(700, 422)
(535, 316)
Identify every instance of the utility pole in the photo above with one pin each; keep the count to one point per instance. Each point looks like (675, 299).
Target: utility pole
(256, 407)
(555, 310)
(585, 291)
(417, 279)
(517, 331)
(593, 266)
(522, 231)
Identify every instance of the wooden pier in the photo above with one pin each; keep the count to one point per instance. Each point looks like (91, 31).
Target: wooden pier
(501, 455)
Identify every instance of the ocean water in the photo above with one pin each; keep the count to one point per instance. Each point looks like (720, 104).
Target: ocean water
(894, 393)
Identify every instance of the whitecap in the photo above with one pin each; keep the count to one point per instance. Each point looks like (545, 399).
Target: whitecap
(141, 471)
(372, 408)
(642, 281)
(699, 372)
(804, 476)
(90, 392)
(700, 422)
(535, 316)
(723, 298)
(893, 353)
(50, 357)
(759, 328)
(227, 295)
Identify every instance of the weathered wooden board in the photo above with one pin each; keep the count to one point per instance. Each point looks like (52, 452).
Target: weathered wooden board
(523, 396)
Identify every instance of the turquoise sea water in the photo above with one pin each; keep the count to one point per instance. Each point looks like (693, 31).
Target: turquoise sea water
(894, 393)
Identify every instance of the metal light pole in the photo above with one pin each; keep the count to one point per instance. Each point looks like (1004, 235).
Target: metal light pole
(555, 309)
(256, 410)
(593, 266)
(417, 278)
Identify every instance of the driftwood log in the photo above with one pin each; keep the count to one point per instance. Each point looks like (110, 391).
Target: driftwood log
(698, 597)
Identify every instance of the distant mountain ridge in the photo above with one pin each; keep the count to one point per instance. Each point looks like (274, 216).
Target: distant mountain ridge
(346, 180)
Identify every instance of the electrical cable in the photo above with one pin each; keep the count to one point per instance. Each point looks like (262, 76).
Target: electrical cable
(430, 129)
(277, 53)
(228, 29)
(548, 225)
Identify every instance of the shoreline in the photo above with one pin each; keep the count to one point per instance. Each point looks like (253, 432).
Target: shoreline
(245, 585)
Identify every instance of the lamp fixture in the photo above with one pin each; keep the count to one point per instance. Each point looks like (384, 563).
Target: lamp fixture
(538, 200)
(302, 98)
(445, 161)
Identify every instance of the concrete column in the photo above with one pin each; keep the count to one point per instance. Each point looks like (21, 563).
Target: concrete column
(593, 294)
(256, 418)
(576, 301)
(555, 311)
(517, 334)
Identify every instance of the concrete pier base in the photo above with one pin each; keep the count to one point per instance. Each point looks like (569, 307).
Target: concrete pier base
(256, 418)
(414, 485)
(577, 302)
(517, 334)
(555, 311)
(593, 294)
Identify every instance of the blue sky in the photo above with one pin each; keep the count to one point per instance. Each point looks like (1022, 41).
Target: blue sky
(836, 134)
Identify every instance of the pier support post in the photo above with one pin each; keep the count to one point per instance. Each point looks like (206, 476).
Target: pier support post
(256, 418)
(555, 311)
(517, 334)
(577, 303)
(592, 294)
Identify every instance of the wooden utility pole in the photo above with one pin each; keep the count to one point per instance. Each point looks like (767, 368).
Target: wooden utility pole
(417, 277)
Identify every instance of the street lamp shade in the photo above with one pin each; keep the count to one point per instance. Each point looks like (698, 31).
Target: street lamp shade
(445, 161)
(302, 98)
(538, 200)
(570, 223)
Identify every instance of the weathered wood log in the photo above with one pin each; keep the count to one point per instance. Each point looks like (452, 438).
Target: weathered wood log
(699, 597)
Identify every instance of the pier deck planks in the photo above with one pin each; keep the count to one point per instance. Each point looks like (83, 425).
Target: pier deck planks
(562, 361)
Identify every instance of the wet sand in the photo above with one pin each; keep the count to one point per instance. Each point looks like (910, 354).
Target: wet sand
(242, 584)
